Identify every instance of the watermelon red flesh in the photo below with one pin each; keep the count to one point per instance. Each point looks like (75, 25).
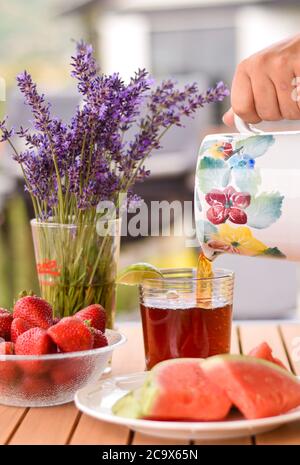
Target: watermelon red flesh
(182, 392)
(264, 352)
(257, 387)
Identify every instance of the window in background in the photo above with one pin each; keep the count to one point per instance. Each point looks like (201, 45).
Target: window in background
(207, 53)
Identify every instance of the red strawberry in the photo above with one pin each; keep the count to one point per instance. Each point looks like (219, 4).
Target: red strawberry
(36, 387)
(36, 311)
(5, 323)
(71, 335)
(55, 320)
(72, 373)
(7, 348)
(8, 368)
(99, 338)
(35, 341)
(9, 374)
(18, 327)
(95, 314)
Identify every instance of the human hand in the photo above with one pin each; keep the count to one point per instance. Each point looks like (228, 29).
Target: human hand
(263, 87)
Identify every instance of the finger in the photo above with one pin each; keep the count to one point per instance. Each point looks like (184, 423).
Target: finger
(228, 118)
(242, 99)
(265, 98)
(289, 106)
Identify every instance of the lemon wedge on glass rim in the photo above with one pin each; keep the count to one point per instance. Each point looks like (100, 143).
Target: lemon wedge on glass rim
(136, 273)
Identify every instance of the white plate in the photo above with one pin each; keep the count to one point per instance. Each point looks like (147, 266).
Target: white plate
(97, 400)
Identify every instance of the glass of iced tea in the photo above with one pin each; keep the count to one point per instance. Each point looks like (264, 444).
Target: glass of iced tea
(186, 316)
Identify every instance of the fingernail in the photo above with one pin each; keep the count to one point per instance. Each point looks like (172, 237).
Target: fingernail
(225, 116)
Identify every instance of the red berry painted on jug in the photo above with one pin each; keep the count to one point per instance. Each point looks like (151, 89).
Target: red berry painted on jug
(228, 204)
(237, 216)
(35, 310)
(217, 214)
(227, 149)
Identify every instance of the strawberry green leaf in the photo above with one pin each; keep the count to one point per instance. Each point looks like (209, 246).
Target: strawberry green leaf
(264, 210)
(274, 252)
(212, 174)
(255, 146)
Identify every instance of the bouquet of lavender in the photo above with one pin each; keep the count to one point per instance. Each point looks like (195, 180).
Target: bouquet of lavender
(70, 168)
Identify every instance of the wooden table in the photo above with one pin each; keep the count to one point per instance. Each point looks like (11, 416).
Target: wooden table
(66, 425)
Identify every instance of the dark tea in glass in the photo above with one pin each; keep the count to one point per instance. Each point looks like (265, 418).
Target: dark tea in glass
(184, 319)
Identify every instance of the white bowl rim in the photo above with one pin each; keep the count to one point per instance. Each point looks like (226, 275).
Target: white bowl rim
(67, 355)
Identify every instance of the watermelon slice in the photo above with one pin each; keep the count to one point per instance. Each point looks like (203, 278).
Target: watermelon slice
(129, 405)
(258, 388)
(264, 351)
(176, 390)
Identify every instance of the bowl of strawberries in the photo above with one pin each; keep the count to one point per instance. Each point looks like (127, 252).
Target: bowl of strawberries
(45, 360)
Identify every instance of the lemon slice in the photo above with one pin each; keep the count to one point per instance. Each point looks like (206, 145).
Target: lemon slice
(137, 273)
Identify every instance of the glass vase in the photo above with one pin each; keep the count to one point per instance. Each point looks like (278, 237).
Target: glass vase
(77, 265)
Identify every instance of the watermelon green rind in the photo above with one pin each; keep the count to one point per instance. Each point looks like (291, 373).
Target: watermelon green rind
(151, 387)
(149, 392)
(129, 405)
(216, 359)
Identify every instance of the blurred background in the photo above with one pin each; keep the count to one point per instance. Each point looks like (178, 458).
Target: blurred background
(190, 40)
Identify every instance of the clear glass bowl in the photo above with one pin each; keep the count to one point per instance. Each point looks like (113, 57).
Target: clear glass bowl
(45, 380)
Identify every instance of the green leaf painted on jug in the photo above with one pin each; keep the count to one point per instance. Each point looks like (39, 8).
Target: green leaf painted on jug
(212, 174)
(264, 210)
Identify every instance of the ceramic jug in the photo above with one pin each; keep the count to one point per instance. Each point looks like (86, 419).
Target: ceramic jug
(247, 193)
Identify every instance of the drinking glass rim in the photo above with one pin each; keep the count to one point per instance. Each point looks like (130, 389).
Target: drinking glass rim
(49, 224)
(224, 273)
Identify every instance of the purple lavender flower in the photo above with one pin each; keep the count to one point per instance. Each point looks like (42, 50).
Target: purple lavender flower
(6, 133)
(40, 109)
(69, 169)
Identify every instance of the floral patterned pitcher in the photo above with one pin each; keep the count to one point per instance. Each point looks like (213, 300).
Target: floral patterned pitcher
(247, 193)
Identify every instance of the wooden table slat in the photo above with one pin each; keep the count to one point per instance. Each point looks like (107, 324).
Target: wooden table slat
(93, 432)
(144, 439)
(291, 337)
(130, 358)
(245, 441)
(252, 335)
(285, 435)
(51, 425)
(235, 344)
(10, 418)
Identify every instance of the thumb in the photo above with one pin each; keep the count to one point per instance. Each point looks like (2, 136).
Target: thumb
(228, 118)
